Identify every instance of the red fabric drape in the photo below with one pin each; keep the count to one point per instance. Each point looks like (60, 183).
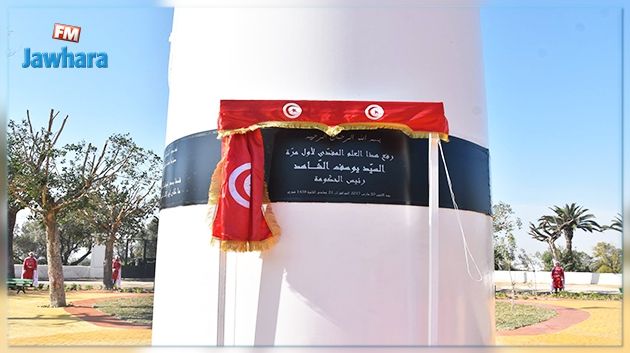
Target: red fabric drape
(243, 219)
(413, 118)
(241, 201)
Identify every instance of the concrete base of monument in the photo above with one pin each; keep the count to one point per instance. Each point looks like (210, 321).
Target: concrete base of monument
(341, 274)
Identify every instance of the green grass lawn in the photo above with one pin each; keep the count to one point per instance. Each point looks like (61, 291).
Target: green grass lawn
(134, 309)
(522, 315)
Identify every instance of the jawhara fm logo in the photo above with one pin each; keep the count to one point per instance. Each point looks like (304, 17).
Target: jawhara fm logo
(65, 58)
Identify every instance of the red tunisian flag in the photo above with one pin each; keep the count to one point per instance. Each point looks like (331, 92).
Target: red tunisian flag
(243, 220)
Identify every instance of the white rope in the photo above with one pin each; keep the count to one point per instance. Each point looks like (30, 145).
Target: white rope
(467, 252)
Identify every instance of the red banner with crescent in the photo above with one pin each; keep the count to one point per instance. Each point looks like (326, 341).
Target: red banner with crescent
(243, 219)
(416, 119)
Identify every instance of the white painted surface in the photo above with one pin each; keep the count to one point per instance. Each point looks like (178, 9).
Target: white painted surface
(579, 278)
(404, 54)
(341, 273)
(185, 315)
(317, 288)
(69, 272)
(434, 241)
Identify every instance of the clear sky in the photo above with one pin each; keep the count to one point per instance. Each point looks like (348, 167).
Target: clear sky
(131, 95)
(553, 78)
(553, 85)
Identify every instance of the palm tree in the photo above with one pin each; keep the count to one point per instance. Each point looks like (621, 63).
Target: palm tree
(569, 218)
(547, 233)
(616, 224)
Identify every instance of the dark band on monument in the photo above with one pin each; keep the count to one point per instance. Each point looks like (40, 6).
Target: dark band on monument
(371, 166)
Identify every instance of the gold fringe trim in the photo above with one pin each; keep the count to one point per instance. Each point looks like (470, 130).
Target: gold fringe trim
(216, 182)
(333, 130)
(270, 217)
(214, 192)
(245, 246)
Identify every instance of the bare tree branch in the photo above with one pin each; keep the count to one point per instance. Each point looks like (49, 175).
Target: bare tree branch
(63, 124)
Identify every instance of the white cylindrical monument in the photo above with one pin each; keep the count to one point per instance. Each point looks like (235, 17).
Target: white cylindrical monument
(341, 273)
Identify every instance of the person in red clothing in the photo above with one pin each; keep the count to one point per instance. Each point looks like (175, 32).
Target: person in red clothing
(557, 277)
(29, 268)
(116, 272)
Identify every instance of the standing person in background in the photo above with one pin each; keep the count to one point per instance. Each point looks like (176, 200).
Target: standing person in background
(29, 268)
(116, 272)
(557, 277)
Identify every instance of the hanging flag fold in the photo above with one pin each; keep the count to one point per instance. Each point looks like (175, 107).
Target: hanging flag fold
(242, 218)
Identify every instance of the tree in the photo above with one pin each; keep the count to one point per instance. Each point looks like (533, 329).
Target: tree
(11, 216)
(76, 233)
(528, 262)
(569, 218)
(49, 180)
(140, 243)
(149, 239)
(504, 223)
(13, 205)
(31, 236)
(124, 203)
(546, 233)
(131, 231)
(607, 258)
(12, 211)
(546, 259)
(505, 252)
(578, 261)
(616, 224)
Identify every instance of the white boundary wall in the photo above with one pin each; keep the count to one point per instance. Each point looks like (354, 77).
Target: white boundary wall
(578, 278)
(95, 270)
(69, 272)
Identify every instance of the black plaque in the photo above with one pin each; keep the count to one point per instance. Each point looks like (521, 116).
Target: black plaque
(357, 166)
(366, 166)
(188, 166)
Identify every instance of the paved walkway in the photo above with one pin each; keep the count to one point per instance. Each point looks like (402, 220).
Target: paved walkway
(84, 309)
(31, 323)
(565, 318)
(579, 322)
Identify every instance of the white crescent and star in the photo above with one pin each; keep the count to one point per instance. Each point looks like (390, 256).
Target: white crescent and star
(374, 112)
(292, 110)
(242, 200)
